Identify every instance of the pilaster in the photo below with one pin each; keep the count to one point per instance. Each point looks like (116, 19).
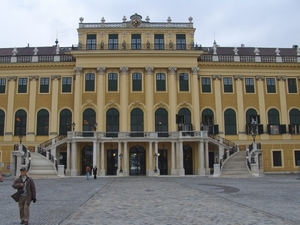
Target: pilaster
(172, 98)
(124, 98)
(77, 97)
(100, 98)
(218, 104)
(54, 105)
(195, 98)
(149, 99)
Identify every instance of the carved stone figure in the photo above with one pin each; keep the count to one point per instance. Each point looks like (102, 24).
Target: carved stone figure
(124, 45)
(170, 45)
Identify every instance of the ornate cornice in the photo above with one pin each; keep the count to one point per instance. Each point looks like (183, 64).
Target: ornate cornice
(260, 77)
(248, 65)
(57, 77)
(283, 77)
(216, 77)
(172, 70)
(12, 78)
(101, 70)
(195, 70)
(149, 70)
(124, 70)
(33, 77)
(238, 77)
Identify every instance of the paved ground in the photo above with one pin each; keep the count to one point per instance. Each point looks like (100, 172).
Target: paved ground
(272, 199)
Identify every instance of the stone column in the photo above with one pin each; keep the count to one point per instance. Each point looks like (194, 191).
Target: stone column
(180, 169)
(150, 170)
(156, 162)
(261, 104)
(54, 105)
(124, 98)
(32, 111)
(195, 98)
(68, 159)
(102, 170)
(77, 98)
(9, 116)
(173, 166)
(95, 146)
(120, 172)
(126, 160)
(172, 98)
(218, 119)
(100, 98)
(201, 168)
(207, 159)
(149, 99)
(74, 170)
(240, 107)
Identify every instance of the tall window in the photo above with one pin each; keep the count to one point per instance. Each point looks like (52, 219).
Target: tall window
(112, 82)
(2, 85)
(89, 120)
(91, 42)
(112, 120)
(227, 84)
(230, 122)
(292, 85)
(135, 41)
(89, 82)
(136, 81)
(44, 85)
(22, 87)
(160, 82)
(113, 41)
(271, 87)
(66, 84)
(159, 42)
(180, 42)
(294, 126)
(187, 120)
(20, 122)
(277, 160)
(274, 122)
(65, 121)
(42, 122)
(183, 82)
(161, 122)
(206, 84)
(2, 117)
(137, 122)
(208, 122)
(249, 82)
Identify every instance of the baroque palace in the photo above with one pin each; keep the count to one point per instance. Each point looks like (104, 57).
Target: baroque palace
(137, 97)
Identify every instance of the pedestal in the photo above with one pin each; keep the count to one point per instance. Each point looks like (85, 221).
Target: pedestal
(217, 171)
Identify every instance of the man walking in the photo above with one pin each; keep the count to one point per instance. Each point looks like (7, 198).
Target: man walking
(27, 185)
(87, 170)
(95, 172)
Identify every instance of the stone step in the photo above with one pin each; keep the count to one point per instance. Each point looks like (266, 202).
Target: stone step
(236, 166)
(41, 167)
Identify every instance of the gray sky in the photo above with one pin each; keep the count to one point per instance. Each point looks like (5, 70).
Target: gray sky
(255, 23)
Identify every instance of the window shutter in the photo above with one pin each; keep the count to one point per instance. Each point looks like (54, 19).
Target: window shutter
(282, 128)
(216, 129)
(248, 128)
(290, 129)
(260, 129)
(268, 129)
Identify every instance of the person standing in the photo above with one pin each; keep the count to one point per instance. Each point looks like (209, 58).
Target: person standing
(95, 172)
(27, 185)
(87, 170)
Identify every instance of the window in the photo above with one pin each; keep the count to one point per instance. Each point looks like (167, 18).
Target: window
(159, 41)
(112, 82)
(160, 82)
(2, 85)
(294, 126)
(136, 81)
(137, 122)
(44, 85)
(274, 126)
(230, 122)
(161, 122)
(186, 120)
(292, 86)
(91, 42)
(297, 157)
(112, 122)
(42, 122)
(65, 121)
(113, 41)
(271, 88)
(208, 122)
(183, 82)
(135, 41)
(22, 88)
(228, 84)
(89, 82)
(206, 84)
(251, 116)
(2, 117)
(277, 161)
(20, 122)
(89, 120)
(249, 82)
(66, 84)
(180, 42)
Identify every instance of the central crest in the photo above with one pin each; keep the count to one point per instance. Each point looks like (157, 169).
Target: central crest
(136, 20)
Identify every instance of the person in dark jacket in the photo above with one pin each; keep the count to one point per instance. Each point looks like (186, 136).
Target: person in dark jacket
(95, 172)
(27, 185)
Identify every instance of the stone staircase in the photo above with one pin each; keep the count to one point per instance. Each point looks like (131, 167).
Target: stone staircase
(235, 166)
(41, 167)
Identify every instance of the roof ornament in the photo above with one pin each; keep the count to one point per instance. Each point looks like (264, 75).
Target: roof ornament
(277, 51)
(35, 50)
(124, 19)
(190, 19)
(15, 51)
(215, 47)
(298, 50)
(169, 20)
(256, 51)
(235, 50)
(81, 19)
(57, 50)
(102, 20)
(147, 19)
(136, 20)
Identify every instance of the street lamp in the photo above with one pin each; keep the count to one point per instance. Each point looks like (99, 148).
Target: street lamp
(155, 157)
(20, 137)
(95, 125)
(121, 156)
(73, 126)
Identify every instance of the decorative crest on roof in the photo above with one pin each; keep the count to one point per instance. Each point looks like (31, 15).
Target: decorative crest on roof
(136, 20)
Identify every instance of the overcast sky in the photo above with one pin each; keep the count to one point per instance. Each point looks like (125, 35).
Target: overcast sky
(255, 23)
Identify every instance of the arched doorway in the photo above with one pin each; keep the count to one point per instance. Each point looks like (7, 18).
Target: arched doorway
(137, 161)
(188, 160)
(87, 158)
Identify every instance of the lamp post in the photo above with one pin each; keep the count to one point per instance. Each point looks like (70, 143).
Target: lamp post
(20, 137)
(155, 157)
(73, 126)
(121, 156)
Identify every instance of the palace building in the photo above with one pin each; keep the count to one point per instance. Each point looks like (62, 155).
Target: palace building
(137, 97)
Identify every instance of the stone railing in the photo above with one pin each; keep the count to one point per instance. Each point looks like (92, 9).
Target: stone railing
(36, 58)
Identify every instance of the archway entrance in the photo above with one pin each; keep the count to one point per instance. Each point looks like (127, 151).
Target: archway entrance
(87, 158)
(137, 161)
(112, 162)
(188, 160)
(163, 161)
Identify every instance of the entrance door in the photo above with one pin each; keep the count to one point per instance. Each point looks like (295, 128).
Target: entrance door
(112, 162)
(188, 160)
(87, 158)
(137, 161)
(163, 161)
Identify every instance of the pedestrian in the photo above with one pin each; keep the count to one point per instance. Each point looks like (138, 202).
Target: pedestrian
(87, 170)
(28, 194)
(95, 172)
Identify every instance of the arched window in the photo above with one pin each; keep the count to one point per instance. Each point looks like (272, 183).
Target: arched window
(208, 122)
(274, 122)
(294, 126)
(89, 120)
(161, 122)
(137, 122)
(20, 122)
(252, 117)
(65, 121)
(2, 117)
(112, 122)
(230, 122)
(42, 122)
(186, 115)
